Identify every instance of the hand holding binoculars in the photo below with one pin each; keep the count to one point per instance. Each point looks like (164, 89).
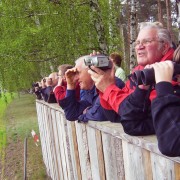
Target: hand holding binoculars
(147, 76)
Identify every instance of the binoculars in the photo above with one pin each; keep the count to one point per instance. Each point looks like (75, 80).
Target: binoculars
(99, 61)
(147, 76)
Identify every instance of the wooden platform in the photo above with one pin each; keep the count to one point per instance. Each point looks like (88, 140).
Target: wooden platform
(99, 150)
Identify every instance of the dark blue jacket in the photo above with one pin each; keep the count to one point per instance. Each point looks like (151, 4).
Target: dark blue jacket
(46, 92)
(135, 112)
(88, 108)
(166, 118)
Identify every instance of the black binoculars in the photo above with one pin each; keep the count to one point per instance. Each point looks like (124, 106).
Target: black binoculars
(147, 77)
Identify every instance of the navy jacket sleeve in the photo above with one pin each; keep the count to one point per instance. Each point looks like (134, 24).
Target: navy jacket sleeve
(166, 119)
(88, 108)
(73, 108)
(135, 114)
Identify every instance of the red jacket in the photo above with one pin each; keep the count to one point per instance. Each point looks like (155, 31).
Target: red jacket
(60, 91)
(113, 96)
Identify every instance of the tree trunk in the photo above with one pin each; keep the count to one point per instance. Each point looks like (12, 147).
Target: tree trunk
(132, 34)
(169, 21)
(99, 26)
(178, 19)
(159, 11)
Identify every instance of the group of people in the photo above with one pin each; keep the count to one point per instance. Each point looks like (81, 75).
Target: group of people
(95, 94)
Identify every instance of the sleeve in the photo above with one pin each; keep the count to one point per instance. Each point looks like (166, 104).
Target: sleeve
(166, 119)
(60, 92)
(113, 96)
(73, 108)
(110, 114)
(135, 114)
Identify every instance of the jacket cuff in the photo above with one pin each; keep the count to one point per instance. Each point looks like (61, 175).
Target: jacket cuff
(70, 93)
(164, 88)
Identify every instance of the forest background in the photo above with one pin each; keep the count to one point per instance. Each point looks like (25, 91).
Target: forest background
(38, 36)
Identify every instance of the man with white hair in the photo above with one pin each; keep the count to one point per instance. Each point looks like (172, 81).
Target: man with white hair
(88, 107)
(132, 104)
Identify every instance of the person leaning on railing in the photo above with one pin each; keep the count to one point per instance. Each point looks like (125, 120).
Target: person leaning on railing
(166, 106)
(132, 104)
(88, 107)
(48, 84)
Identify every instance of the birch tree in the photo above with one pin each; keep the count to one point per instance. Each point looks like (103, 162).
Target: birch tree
(132, 34)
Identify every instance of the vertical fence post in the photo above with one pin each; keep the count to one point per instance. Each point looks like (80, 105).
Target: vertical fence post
(25, 157)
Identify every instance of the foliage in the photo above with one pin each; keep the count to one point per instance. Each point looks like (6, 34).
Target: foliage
(37, 36)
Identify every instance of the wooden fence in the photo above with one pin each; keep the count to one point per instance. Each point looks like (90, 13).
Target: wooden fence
(99, 150)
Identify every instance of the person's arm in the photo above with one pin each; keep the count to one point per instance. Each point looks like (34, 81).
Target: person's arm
(110, 114)
(165, 110)
(136, 114)
(166, 119)
(59, 92)
(73, 108)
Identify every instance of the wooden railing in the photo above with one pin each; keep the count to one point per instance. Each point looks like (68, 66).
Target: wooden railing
(99, 150)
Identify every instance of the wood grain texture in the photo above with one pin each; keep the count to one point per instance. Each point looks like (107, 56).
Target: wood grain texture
(74, 150)
(83, 151)
(99, 150)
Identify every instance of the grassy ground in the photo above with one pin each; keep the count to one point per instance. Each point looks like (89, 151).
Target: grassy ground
(4, 100)
(21, 118)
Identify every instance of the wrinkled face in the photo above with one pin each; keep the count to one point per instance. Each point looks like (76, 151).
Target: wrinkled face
(84, 78)
(149, 49)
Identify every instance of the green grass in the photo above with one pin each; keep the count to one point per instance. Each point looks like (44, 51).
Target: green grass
(21, 117)
(5, 99)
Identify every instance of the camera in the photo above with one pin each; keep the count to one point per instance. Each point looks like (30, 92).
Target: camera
(147, 77)
(36, 84)
(98, 61)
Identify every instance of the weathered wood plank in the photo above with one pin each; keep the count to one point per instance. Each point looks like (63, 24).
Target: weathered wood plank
(65, 139)
(74, 150)
(52, 143)
(100, 155)
(57, 146)
(177, 171)
(133, 162)
(50, 168)
(96, 154)
(83, 151)
(113, 157)
(62, 145)
(162, 168)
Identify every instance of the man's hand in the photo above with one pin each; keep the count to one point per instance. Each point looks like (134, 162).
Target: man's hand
(102, 79)
(71, 78)
(163, 71)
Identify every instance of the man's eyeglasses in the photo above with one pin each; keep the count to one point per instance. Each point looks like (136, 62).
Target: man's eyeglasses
(145, 42)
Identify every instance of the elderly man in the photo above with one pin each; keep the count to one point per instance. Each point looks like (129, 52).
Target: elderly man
(88, 107)
(132, 104)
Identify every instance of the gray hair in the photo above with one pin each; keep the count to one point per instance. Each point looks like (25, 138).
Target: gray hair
(162, 33)
(80, 60)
